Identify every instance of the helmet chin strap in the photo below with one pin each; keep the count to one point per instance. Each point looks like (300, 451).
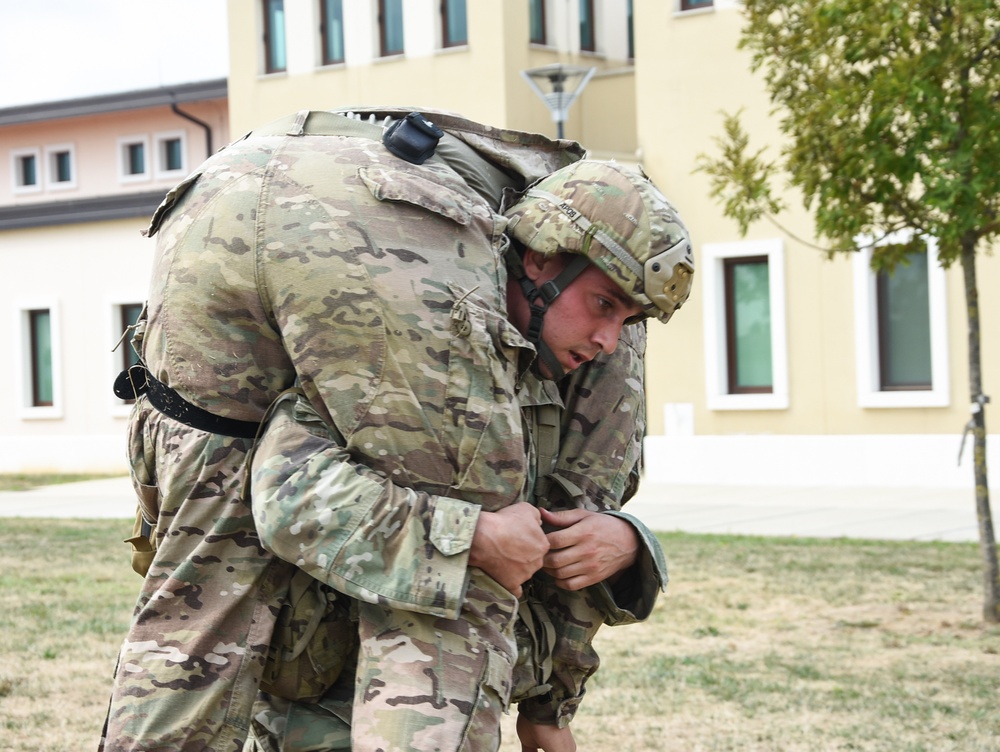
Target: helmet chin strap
(539, 299)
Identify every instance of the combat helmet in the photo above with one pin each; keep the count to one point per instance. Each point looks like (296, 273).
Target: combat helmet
(614, 218)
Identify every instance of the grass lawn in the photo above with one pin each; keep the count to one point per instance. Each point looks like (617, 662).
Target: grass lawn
(759, 644)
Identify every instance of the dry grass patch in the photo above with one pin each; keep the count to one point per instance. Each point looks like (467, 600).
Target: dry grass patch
(770, 645)
(786, 645)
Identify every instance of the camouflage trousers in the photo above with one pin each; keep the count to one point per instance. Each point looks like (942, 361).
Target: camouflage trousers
(189, 668)
(422, 683)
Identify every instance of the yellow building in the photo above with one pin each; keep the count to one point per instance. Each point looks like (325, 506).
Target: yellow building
(780, 369)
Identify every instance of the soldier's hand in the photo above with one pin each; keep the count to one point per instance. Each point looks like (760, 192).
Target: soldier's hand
(509, 545)
(588, 547)
(540, 736)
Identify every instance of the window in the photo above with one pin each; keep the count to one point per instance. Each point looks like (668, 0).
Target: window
(331, 30)
(390, 26)
(536, 10)
(60, 166)
(748, 325)
(275, 50)
(128, 315)
(746, 360)
(132, 158)
(25, 171)
(170, 152)
(631, 32)
(454, 25)
(696, 4)
(588, 34)
(40, 343)
(904, 326)
(901, 331)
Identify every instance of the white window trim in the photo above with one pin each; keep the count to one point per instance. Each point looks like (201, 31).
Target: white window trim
(866, 334)
(714, 302)
(123, 175)
(162, 172)
(50, 172)
(26, 410)
(15, 170)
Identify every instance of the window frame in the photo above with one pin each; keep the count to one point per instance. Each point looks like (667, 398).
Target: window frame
(445, 12)
(717, 358)
(124, 142)
(728, 267)
(543, 22)
(16, 155)
(591, 13)
(51, 168)
(29, 408)
(380, 22)
(160, 140)
(325, 19)
(269, 35)
(866, 335)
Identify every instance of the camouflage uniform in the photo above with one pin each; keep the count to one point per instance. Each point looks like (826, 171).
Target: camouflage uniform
(599, 448)
(277, 262)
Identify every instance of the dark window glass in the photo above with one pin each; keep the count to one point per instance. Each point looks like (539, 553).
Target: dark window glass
(748, 325)
(631, 33)
(332, 31)
(454, 31)
(135, 159)
(40, 325)
(129, 315)
(390, 22)
(62, 169)
(695, 4)
(275, 52)
(588, 34)
(27, 171)
(904, 326)
(536, 9)
(173, 158)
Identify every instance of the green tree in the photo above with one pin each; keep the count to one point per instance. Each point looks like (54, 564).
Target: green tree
(890, 113)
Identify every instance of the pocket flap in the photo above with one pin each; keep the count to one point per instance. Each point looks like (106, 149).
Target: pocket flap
(436, 195)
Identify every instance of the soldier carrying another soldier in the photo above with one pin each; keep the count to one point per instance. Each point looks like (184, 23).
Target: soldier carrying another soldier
(427, 432)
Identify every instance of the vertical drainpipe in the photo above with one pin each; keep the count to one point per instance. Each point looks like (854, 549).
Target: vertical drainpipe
(196, 121)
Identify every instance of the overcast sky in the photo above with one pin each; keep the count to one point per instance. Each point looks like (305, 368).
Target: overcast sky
(62, 49)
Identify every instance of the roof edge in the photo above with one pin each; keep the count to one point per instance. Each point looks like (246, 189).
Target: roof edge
(126, 100)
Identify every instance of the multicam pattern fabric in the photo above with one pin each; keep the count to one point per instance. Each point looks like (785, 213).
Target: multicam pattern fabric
(279, 261)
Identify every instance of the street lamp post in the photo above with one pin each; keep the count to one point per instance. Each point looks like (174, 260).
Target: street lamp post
(558, 86)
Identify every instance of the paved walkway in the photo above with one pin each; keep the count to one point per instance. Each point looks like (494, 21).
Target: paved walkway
(823, 512)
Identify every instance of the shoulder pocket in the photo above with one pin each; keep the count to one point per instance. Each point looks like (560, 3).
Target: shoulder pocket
(437, 191)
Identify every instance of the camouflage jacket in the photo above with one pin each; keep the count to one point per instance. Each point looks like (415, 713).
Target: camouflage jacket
(269, 248)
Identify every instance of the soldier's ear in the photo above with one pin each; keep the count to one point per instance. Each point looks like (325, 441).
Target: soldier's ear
(534, 264)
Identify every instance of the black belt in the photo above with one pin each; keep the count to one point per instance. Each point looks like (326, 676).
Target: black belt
(138, 380)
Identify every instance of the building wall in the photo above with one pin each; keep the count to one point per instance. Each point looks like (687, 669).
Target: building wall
(97, 144)
(81, 268)
(480, 80)
(823, 429)
(82, 274)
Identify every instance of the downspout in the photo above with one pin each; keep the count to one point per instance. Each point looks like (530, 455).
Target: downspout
(196, 121)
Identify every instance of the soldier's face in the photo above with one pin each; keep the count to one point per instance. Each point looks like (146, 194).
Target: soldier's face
(586, 318)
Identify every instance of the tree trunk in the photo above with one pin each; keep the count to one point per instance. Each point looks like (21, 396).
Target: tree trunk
(987, 541)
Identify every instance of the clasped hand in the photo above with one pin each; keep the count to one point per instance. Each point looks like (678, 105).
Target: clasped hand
(583, 548)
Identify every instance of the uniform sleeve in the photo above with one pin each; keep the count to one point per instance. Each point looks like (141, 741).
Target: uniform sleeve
(351, 528)
(598, 466)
